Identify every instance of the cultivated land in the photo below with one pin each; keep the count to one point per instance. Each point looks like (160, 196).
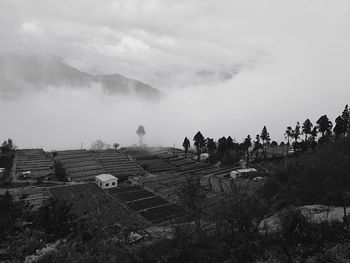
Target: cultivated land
(34, 160)
(80, 165)
(89, 198)
(152, 207)
(118, 164)
(154, 201)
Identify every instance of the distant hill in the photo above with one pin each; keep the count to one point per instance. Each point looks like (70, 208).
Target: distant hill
(38, 72)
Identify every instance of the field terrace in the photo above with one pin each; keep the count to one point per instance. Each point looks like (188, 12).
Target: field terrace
(150, 206)
(150, 160)
(183, 164)
(89, 198)
(34, 160)
(35, 196)
(169, 185)
(80, 165)
(118, 164)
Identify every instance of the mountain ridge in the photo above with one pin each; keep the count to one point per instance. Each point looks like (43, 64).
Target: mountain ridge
(16, 72)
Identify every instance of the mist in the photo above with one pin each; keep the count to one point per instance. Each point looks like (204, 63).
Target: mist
(226, 69)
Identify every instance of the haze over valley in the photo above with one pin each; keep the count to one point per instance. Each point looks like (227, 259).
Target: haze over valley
(70, 76)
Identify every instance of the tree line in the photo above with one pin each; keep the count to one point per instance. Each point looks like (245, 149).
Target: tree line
(228, 151)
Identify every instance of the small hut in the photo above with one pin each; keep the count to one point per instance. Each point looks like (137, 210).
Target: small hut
(106, 181)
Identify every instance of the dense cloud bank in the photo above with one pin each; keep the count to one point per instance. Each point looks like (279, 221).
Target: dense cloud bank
(226, 68)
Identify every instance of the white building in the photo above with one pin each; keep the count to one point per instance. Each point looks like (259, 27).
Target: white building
(106, 181)
(240, 172)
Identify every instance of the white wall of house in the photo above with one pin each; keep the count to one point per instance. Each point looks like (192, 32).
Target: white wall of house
(107, 184)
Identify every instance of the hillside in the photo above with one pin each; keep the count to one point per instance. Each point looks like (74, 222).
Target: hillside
(18, 73)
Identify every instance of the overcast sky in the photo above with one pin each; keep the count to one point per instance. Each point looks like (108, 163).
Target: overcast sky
(225, 67)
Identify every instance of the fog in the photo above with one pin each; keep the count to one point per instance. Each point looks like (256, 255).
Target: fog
(261, 63)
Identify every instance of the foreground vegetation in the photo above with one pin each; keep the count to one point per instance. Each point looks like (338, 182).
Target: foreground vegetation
(227, 229)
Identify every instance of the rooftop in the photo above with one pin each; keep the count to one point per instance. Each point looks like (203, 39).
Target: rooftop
(106, 177)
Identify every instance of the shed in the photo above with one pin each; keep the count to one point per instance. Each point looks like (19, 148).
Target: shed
(241, 172)
(106, 181)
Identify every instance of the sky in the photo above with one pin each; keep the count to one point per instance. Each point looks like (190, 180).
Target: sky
(226, 68)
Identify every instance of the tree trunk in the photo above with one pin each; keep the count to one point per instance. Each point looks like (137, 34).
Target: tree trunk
(345, 219)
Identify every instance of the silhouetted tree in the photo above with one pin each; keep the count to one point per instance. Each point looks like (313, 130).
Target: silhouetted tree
(340, 126)
(221, 147)
(288, 134)
(140, 132)
(307, 128)
(60, 171)
(186, 144)
(274, 144)
(265, 137)
(211, 146)
(7, 146)
(247, 144)
(192, 196)
(346, 119)
(312, 138)
(56, 218)
(230, 144)
(99, 145)
(295, 135)
(199, 143)
(324, 126)
(257, 145)
(116, 145)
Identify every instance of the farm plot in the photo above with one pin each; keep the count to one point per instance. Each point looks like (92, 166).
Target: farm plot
(163, 213)
(35, 196)
(33, 160)
(89, 198)
(155, 165)
(118, 164)
(80, 165)
(152, 207)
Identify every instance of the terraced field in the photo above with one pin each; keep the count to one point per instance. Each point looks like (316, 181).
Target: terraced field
(117, 164)
(154, 164)
(33, 160)
(80, 165)
(89, 198)
(35, 196)
(152, 207)
(170, 185)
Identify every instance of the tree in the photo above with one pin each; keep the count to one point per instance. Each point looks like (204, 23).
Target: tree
(7, 146)
(274, 144)
(346, 119)
(140, 132)
(324, 126)
(199, 143)
(257, 145)
(307, 128)
(221, 146)
(186, 144)
(211, 146)
(247, 144)
(56, 218)
(288, 134)
(340, 126)
(265, 137)
(99, 145)
(230, 144)
(312, 138)
(116, 145)
(192, 196)
(13, 214)
(60, 171)
(295, 135)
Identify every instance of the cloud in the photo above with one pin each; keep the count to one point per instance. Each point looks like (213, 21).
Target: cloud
(288, 60)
